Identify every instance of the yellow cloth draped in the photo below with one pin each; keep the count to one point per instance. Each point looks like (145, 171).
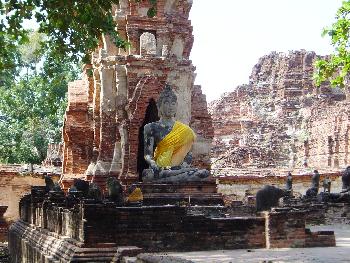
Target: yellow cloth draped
(135, 196)
(174, 147)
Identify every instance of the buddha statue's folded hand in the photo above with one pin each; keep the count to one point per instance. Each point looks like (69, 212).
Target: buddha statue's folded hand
(154, 167)
(185, 165)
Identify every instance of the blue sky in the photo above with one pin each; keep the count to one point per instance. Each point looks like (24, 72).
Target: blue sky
(231, 35)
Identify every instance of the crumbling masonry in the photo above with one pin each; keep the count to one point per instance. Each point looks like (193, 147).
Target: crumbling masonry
(108, 108)
(281, 120)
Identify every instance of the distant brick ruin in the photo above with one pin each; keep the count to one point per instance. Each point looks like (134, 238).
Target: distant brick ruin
(281, 120)
(108, 108)
(54, 155)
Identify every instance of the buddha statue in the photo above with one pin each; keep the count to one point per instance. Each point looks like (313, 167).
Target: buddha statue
(168, 145)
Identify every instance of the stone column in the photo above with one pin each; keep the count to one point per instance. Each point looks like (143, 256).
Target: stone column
(107, 127)
(118, 163)
(96, 123)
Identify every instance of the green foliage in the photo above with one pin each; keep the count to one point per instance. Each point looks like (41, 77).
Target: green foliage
(73, 28)
(35, 67)
(31, 51)
(336, 68)
(153, 10)
(9, 60)
(32, 106)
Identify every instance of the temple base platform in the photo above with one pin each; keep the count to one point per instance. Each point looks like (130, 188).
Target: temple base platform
(51, 231)
(189, 193)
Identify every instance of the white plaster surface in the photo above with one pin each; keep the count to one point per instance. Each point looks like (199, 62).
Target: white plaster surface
(101, 168)
(183, 83)
(169, 6)
(148, 44)
(177, 48)
(142, 11)
(108, 90)
(121, 80)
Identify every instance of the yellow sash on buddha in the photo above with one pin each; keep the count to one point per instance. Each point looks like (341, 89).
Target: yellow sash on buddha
(174, 147)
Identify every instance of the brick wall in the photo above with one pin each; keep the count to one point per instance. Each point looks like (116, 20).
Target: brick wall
(285, 229)
(14, 185)
(281, 119)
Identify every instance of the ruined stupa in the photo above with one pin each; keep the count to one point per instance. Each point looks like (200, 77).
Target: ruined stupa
(109, 107)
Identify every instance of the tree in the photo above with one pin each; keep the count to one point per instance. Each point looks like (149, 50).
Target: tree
(337, 66)
(73, 28)
(33, 104)
(9, 60)
(35, 67)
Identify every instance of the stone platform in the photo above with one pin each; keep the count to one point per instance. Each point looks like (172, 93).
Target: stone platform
(50, 230)
(190, 193)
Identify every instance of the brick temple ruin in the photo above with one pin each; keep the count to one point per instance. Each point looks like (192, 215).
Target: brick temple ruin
(281, 120)
(103, 129)
(278, 121)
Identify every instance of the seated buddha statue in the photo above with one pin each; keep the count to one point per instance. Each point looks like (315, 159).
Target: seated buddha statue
(168, 145)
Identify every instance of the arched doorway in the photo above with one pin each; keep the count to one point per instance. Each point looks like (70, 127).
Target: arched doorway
(151, 115)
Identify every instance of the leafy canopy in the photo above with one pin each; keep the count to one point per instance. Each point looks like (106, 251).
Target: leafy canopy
(73, 27)
(32, 102)
(35, 67)
(336, 68)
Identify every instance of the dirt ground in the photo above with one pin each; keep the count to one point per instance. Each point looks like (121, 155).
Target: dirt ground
(340, 253)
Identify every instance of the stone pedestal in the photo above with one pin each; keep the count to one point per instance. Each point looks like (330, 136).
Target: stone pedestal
(190, 193)
(50, 230)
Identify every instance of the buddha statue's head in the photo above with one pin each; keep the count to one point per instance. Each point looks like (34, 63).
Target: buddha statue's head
(167, 103)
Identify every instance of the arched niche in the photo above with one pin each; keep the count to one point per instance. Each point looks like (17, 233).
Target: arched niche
(147, 88)
(151, 115)
(148, 44)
